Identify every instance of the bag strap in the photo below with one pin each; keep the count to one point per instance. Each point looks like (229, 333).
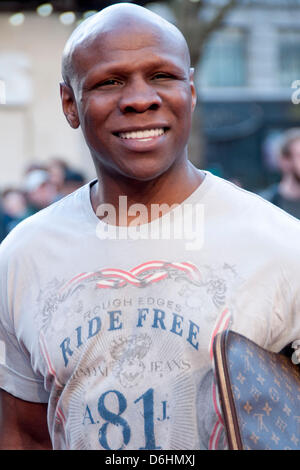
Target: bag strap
(225, 392)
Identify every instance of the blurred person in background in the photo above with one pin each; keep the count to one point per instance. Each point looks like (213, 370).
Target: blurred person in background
(72, 181)
(57, 168)
(34, 166)
(13, 210)
(2, 226)
(40, 191)
(286, 193)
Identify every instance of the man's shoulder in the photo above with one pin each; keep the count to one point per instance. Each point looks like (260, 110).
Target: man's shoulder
(37, 228)
(256, 213)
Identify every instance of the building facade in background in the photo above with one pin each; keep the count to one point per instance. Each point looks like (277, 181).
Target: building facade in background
(32, 125)
(246, 82)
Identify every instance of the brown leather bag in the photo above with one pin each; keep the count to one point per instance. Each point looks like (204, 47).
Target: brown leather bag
(259, 393)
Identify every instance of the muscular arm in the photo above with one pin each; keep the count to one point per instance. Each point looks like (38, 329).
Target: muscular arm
(23, 425)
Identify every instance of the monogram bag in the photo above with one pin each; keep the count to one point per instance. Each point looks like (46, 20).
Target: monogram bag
(259, 393)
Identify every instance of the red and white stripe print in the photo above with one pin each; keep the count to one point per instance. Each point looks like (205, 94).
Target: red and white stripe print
(136, 276)
(222, 324)
(59, 413)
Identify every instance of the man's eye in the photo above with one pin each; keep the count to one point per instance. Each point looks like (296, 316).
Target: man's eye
(162, 76)
(110, 82)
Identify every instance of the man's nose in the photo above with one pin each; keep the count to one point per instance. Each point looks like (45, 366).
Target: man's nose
(139, 96)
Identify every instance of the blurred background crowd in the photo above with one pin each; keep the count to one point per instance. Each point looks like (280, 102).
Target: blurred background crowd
(41, 185)
(246, 125)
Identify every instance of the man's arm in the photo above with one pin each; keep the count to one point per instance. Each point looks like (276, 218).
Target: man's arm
(23, 425)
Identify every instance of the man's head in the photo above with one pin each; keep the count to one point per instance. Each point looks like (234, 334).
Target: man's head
(290, 154)
(128, 84)
(39, 190)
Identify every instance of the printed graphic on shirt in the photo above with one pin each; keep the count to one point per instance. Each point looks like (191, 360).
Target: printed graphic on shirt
(128, 351)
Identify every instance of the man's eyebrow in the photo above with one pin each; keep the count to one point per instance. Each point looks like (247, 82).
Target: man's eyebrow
(126, 66)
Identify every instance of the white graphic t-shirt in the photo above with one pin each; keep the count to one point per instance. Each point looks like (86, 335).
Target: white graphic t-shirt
(115, 332)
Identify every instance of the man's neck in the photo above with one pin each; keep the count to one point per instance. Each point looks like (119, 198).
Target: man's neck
(169, 189)
(289, 187)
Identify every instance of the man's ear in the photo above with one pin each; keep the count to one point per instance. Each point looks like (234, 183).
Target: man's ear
(193, 89)
(69, 105)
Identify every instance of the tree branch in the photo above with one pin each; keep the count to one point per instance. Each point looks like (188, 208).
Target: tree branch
(217, 20)
(196, 31)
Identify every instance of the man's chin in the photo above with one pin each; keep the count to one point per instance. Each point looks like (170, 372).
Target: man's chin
(143, 171)
(144, 175)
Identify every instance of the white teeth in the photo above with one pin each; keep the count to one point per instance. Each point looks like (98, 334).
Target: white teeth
(147, 134)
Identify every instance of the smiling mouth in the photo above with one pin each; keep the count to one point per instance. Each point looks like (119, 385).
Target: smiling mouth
(142, 135)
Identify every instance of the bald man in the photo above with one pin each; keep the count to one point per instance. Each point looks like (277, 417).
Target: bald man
(110, 298)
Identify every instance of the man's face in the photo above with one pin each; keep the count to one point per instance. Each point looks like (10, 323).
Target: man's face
(134, 100)
(294, 159)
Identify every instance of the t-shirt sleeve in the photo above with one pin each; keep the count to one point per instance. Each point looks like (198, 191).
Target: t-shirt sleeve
(285, 325)
(17, 376)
